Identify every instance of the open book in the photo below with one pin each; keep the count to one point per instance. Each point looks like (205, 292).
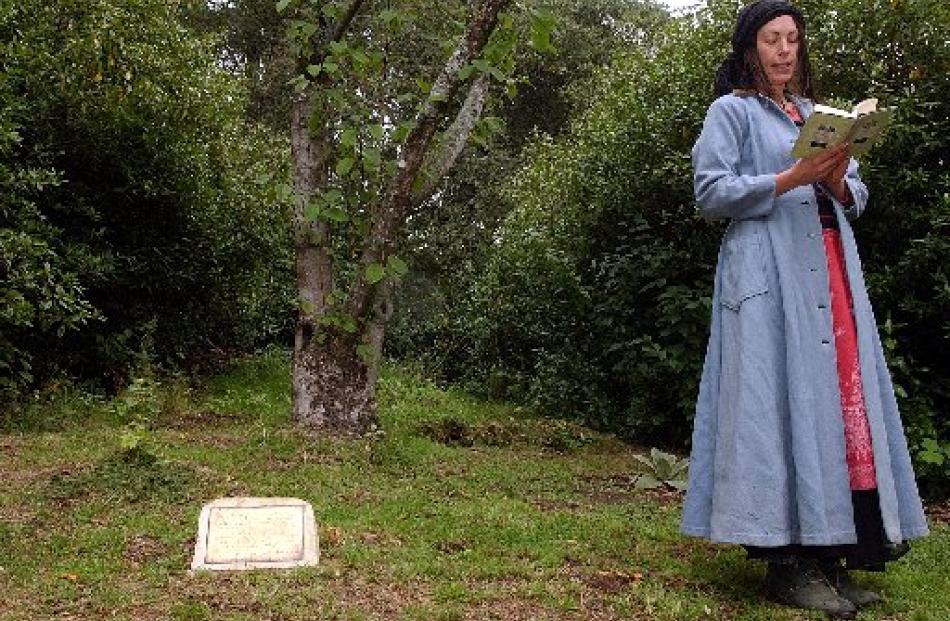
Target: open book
(828, 126)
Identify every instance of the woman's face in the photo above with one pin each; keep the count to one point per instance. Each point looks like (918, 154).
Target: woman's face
(777, 45)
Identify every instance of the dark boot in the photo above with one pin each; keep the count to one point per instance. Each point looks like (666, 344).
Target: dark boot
(801, 584)
(837, 576)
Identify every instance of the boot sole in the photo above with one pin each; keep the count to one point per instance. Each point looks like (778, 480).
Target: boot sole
(834, 614)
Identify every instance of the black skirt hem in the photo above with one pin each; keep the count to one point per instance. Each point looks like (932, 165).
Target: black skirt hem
(870, 553)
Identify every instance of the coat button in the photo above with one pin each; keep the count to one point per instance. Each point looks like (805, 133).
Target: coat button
(825, 342)
(822, 306)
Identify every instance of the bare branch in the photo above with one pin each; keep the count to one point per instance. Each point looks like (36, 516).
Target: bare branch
(455, 139)
(483, 22)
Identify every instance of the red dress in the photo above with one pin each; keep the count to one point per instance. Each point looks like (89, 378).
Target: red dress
(857, 433)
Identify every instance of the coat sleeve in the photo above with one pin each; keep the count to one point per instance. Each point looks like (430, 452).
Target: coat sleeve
(859, 193)
(721, 192)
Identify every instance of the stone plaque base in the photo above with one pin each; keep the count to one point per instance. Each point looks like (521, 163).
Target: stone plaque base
(256, 533)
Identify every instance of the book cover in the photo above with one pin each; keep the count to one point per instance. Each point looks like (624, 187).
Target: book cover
(829, 126)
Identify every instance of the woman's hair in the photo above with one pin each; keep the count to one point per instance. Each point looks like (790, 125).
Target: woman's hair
(742, 69)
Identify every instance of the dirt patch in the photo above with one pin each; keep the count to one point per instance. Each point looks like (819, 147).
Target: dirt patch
(939, 512)
(612, 581)
(219, 439)
(142, 548)
(18, 476)
(549, 434)
(379, 599)
(131, 476)
(550, 506)
(619, 489)
(663, 496)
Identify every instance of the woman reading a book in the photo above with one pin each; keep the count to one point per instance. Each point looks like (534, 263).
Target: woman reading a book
(798, 450)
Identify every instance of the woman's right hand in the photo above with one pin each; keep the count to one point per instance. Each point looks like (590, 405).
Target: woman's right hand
(812, 169)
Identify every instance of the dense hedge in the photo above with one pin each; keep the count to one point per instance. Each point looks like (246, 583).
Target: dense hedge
(594, 303)
(138, 215)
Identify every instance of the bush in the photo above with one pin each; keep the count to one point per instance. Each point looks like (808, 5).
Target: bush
(140, 215)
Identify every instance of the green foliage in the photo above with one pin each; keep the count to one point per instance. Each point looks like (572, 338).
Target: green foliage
(663, 469)
(594, 304)
(139, 210)
(139, 407)
(39, 286)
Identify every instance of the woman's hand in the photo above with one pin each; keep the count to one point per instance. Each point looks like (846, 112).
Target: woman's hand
(827, 167)
(835, 183)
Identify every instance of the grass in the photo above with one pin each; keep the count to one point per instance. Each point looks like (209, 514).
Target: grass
(461, 510)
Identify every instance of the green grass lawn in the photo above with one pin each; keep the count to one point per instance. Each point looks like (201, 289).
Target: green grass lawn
(520, 518)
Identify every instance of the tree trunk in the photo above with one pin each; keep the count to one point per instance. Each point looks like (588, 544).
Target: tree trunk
(338, 348)
(334, 388)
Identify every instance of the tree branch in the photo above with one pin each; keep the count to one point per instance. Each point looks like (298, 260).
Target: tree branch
(455, 139)
(343, 24)
(390, 214)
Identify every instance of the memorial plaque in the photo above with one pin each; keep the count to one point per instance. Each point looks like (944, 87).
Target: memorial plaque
(256, 533)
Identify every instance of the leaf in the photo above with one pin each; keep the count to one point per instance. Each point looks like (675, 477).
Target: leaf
(348, 137)
(348, 323)
(285, 192)
(647, 481)
(333, 197)
(314, 70)
(402, 131)
(366, 353)
(336, 214)
(376, 131)
(543, 22)
(361, 58)
(466, 71)
(643, 460)
(300, 83)
(282, 5)
(396, 266)
(680, 467)
(371, 158)
(375, 273)
(312, 211)
(344, 166)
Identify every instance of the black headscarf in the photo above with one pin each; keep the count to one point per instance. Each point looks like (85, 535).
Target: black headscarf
(733, 72)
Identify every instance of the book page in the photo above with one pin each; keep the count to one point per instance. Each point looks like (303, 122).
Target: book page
(823, 109)
(865, 107)
(866, 130)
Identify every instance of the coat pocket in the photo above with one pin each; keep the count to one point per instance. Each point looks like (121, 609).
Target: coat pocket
(743, 269)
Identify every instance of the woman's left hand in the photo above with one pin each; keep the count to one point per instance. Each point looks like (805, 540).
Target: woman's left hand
(834, 180)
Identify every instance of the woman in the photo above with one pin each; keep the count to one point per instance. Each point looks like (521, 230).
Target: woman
(798, 450)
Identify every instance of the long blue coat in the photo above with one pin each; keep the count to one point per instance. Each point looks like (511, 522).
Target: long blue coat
(768, 457)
